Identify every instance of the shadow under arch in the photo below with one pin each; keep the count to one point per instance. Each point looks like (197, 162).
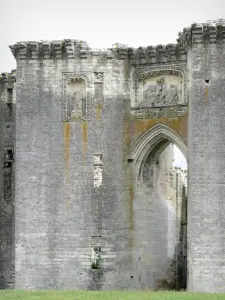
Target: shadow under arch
(155, 140)
(147, 169)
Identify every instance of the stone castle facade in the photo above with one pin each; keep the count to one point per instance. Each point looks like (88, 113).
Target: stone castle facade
(88, 195)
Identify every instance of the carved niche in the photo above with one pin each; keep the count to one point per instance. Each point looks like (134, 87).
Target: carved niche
(76, 97)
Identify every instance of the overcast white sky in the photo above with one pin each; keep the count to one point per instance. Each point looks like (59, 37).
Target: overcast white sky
(100, 22)
(179, 159)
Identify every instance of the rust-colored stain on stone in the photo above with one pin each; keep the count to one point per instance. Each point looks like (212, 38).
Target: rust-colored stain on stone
(84, 135)
(128, 179)
(67, 161)
(99, 111)
(206, 98)
(177, 124)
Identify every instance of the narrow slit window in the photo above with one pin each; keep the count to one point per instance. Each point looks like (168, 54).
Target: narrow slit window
(9, 95)
(8, 112)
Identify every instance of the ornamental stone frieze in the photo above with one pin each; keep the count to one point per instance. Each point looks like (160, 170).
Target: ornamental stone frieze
(175, 111)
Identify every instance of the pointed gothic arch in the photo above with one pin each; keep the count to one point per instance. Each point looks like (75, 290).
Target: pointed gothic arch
(155, 139)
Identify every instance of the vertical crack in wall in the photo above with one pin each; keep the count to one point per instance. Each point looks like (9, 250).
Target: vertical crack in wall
(67, 162)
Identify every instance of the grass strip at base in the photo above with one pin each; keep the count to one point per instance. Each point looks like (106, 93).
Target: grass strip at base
(106, 295)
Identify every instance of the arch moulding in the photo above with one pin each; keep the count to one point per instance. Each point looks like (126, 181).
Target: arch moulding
(149, 139)
(152, 71)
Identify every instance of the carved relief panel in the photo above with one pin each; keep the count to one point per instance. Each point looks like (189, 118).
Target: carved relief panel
(158, 87)
(76, 97)
(165, 90)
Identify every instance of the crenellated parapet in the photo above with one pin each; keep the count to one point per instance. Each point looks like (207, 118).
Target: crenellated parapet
(8, 79)
(211, 32)
(70, 49)
(157, 54)
(64, 49)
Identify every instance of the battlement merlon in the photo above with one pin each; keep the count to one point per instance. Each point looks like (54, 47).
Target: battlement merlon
(8, 79)
(211, 32)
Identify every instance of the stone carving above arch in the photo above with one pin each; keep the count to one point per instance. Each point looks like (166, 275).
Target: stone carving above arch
(76, 97)
(160, 86)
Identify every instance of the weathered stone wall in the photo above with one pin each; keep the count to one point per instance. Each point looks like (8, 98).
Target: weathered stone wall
(7, 247)
(86, 121)
(76, 215)
(206, 206)
(72, 187)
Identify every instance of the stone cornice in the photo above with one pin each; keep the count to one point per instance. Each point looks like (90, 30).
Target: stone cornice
(211, 32)
(158, 54)
(70, 49)
(64, 49)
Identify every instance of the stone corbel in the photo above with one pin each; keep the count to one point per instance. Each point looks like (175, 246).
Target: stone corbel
(69, 48)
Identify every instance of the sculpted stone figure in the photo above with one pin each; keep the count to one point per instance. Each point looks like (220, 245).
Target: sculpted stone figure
(160, 94)
(77, 102)
(75, 97)
(161, 80)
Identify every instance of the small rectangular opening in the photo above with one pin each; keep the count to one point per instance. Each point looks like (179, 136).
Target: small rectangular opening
(8, 112)
(98, 159)
(8, 154)
(7, 182)
(9, 95)
(96, 258)
(96, 252)
(130, 160)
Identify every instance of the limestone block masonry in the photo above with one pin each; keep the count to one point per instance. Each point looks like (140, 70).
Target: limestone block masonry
(206, 221)
(87, 199)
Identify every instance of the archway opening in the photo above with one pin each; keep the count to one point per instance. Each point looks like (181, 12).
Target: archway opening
(161, 194)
